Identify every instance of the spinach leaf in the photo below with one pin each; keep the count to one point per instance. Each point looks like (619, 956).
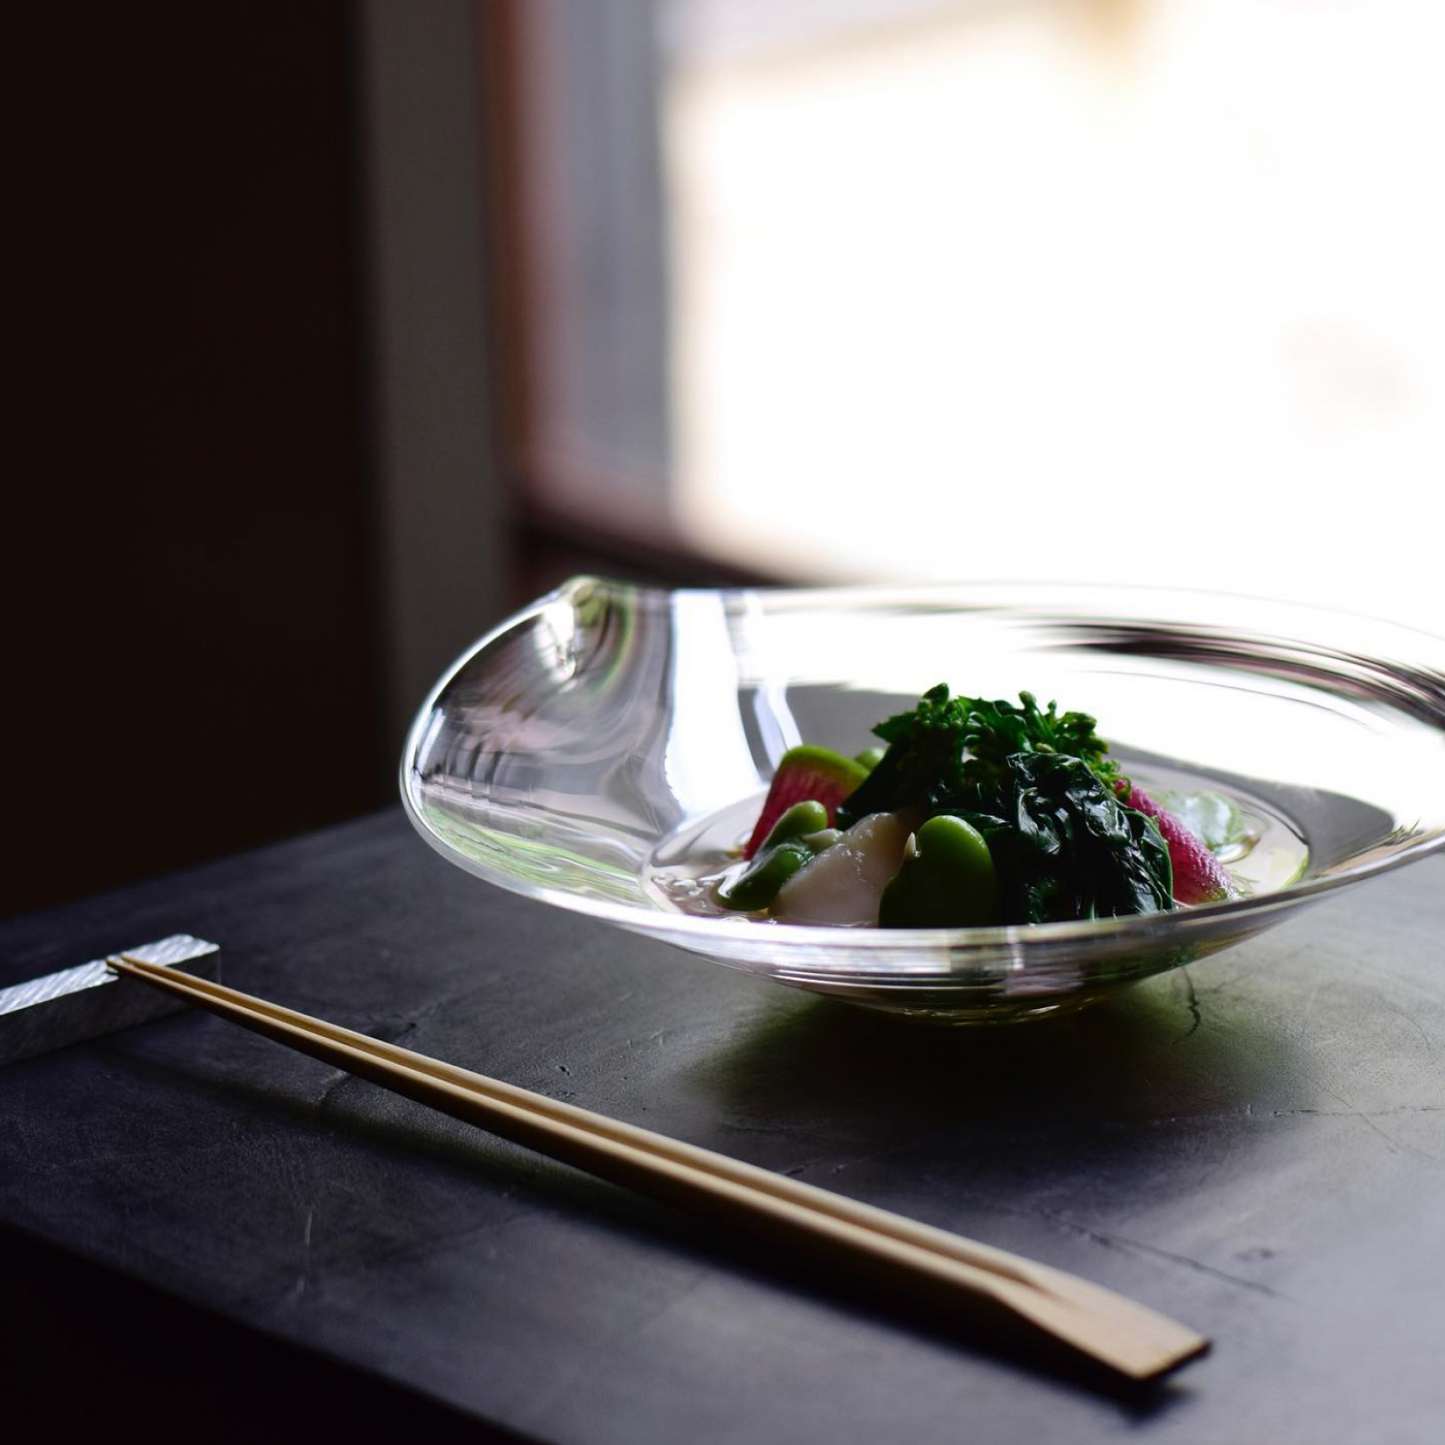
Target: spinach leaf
(1040, 788)
(1065, 847)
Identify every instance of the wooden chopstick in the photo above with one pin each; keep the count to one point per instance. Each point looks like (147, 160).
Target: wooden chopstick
(1127, 1337)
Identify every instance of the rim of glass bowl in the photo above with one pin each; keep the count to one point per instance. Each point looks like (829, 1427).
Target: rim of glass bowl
(1029, 598)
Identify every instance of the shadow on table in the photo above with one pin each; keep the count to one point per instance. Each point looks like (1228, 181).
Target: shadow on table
(1158, 1054)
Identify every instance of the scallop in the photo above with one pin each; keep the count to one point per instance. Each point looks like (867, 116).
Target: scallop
(843, 884)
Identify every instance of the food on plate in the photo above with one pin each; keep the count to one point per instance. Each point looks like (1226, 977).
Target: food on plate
(789, 844)
(946, 879)
(845, 882)
(976, 813)
(806, 774)
(1199, 877)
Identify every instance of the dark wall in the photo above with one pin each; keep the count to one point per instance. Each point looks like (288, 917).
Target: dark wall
(185, 550)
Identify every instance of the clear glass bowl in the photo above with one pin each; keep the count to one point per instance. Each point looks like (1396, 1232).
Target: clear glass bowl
(610, 742)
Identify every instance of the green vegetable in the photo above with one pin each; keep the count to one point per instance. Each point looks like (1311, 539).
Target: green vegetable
(925, 762)
(1041, 790)
(765, 876)
(805, 773)
(949, 881)
(800, 819)
(795, 838)
(869, 758)
(1065, 847)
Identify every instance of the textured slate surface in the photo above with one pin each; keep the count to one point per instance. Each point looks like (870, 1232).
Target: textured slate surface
(1254, 1145)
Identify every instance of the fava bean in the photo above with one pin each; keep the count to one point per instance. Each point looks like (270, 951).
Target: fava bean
(948, 882)
(799, 834)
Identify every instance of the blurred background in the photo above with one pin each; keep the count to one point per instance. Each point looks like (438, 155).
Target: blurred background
(344, 329)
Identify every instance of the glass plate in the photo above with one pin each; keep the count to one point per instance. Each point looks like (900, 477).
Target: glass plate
(608, 744)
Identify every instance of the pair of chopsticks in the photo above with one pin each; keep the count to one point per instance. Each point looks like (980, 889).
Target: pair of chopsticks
(1125, 1336)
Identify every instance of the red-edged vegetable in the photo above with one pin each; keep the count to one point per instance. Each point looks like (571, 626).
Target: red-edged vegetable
(1199, 877)
(806, 774)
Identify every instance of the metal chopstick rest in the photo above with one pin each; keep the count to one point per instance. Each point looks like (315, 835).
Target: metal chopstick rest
(89, 1000)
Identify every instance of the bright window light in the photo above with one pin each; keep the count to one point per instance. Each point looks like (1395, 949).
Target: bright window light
(1065, 289)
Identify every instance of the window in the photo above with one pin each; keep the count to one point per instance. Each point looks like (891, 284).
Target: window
(1068, 289)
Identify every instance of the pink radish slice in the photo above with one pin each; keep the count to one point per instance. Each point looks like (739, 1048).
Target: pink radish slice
(805, 774)
(1199, 877)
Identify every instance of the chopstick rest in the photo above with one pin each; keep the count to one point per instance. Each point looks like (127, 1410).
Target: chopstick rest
(911, 1257)
(87, 1001)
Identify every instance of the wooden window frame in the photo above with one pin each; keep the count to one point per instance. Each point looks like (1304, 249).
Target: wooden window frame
(554, 224)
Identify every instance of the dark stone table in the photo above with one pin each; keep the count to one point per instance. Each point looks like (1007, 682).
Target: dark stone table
(1255, 1145)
